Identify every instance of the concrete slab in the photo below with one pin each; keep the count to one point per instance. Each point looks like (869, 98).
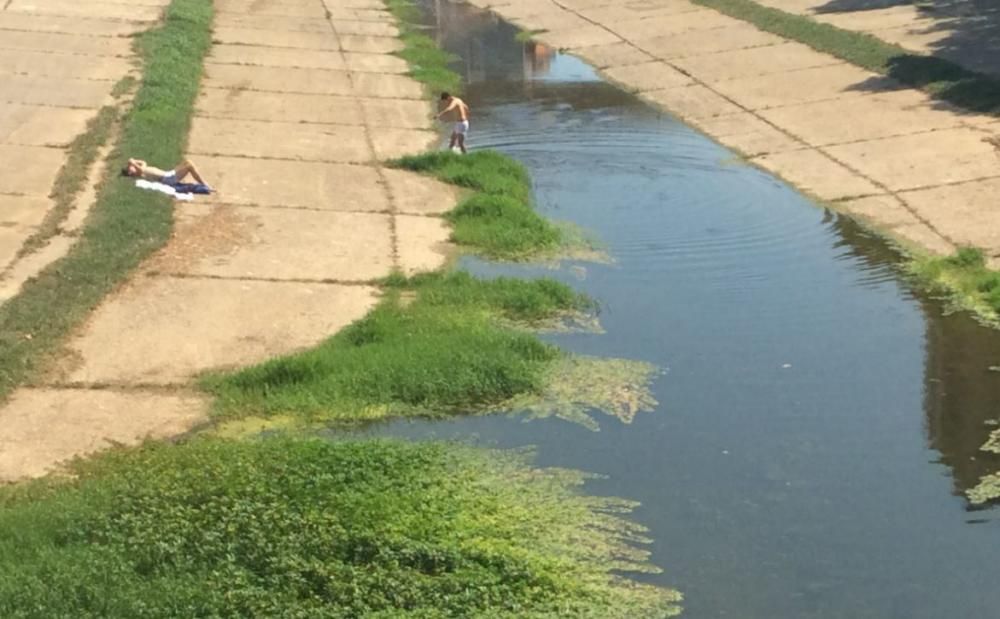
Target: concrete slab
(806, 85)
(256, 55)
(399, 113)
(65, 43)
(369, 44)
(614, 55)
(876, 19)
(885, 211)
(270, 7)
(276, 38)
(748, 134)
(289, 107)
(41, 428)
(280, 244)
(274, 22)
(33, 125)
(366, 28)
(166, 330)
(551, 20)
(607, 13)
(22, 211)
(11, 240)
(375, 63)
(966, 213)
(692, 102)
(277, 79)
(701, 20)
(924, 40)
(36, 169)
(816, 173)
(392, 143)
(921, 235)
(647, 76)
(746, 63)
(417, 194)
(90, 9)
(22, 269)
(423, 243)
(68, 25)
(871, 117)
(694, 43)
(60, 92)
(921, 160)
(59, 65)
(295, 184)
(249, 138)
(339, 13)
(385, 85)
(585, 36)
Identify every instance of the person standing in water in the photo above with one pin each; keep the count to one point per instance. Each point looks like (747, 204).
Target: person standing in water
(458, 112)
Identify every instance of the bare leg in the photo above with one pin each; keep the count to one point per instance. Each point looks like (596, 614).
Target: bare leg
(453, 141)
(187, 167)
(461, 142)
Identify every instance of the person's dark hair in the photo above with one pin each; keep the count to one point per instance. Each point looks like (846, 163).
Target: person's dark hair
(125, 170)
(445, 95)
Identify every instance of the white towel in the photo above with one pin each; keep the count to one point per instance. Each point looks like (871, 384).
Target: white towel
(162, 188)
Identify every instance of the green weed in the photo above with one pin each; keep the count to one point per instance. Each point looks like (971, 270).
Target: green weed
(125, 225)
(310, 528)
(429, 64)
(964, 278)
(437, 344)
(942, 78)
(498, 220)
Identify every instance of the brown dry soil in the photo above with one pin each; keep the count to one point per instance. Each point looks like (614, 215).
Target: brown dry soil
(300, 102)
(912, 166)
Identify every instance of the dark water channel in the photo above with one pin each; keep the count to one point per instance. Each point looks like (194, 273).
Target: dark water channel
(818, 419)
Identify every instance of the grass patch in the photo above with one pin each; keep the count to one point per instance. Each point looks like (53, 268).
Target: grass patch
(527, 36)
(939, 77)
(79, 158)
(437, 344)
(964, 279)
(125, 225)
(498, 219)
(429, 64)
(310, 528)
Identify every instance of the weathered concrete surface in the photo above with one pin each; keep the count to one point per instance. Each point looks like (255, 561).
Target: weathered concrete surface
(860, 141)
(300, 103)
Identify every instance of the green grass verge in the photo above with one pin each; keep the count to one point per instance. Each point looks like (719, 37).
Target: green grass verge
(498, 220)
(126, 225)
(939, 77)
(310, 528)
(437, 344)
(79, 158)
(429, 64)
(964, 279)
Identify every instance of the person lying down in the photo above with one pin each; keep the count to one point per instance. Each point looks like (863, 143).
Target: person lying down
(137, 168)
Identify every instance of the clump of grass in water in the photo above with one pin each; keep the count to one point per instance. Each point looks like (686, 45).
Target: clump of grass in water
(965, 279)
(436, 344)
(428, 62)
(310, 528)
(498, 219)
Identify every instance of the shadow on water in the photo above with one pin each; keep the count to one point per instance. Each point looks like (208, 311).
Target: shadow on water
(818, 421)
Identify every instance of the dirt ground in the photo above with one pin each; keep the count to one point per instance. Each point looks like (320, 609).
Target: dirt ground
(300, 104)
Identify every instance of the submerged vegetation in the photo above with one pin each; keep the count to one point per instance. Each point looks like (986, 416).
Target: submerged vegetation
(939, 77)
(310, 528)
(124, 226)
(497, 220)
(429, 64)
(964, 278)
(436, 344)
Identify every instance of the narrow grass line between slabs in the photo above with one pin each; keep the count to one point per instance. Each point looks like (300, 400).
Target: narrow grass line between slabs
(125, 225)
(941, 78)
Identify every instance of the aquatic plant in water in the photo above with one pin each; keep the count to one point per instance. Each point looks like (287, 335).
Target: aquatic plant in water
(285, 527)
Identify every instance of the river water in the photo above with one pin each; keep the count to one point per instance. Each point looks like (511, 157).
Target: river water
(819, 420)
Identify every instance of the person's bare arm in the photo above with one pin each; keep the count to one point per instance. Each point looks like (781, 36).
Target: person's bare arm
(450, 107)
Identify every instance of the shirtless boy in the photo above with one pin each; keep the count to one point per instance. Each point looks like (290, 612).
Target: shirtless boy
(457, 111)
(138, 168)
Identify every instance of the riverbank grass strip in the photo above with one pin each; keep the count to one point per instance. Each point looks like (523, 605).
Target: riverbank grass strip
(125, 225)
(941, 78)
(429, 64)
(964, 279)
(498, 220)
(310, 528)
(436, 345)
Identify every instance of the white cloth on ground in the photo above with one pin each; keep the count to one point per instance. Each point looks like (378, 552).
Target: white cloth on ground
(167, 189)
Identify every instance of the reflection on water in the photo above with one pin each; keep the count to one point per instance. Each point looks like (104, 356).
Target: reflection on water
(818, 423)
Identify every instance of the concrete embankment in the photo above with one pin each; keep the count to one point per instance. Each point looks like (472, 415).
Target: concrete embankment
(300, 103)
(914, 167)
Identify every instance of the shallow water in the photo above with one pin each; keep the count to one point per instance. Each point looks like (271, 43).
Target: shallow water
(818, 420)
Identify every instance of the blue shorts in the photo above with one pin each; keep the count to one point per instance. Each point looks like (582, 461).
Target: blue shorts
(170, 178)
